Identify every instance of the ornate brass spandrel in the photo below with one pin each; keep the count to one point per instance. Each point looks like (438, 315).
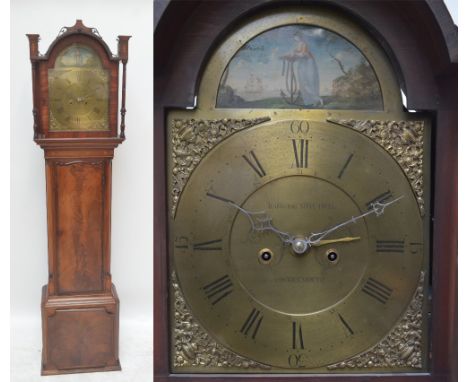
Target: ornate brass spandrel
(194, 347)
(191, 141)
(403, 140)
(401, 347)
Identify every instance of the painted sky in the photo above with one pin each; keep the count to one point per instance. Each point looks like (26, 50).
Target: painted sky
(259, 62)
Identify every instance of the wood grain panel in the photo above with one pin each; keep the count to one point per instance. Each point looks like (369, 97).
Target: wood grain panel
(81, 338)
(79, 209)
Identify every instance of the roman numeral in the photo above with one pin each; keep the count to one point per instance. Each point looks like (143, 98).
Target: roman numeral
(297, 339)
(390, 246)
(301, 152)
(345, 324)
(211, 245)
(345, 166)
(252, 323)
(382, 198)
(377, 290)
(254, 163)
(218, 289)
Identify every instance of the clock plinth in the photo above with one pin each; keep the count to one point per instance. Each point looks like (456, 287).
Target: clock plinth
(75, 122)
(80, 333)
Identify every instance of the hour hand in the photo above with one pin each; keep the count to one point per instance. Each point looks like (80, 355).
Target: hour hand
(340, 240)
(259, 220)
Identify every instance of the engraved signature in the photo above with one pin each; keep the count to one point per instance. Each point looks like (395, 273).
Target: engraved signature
(302, 205)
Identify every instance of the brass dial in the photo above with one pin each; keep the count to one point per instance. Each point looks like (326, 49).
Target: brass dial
(78, 91)
(298, 248)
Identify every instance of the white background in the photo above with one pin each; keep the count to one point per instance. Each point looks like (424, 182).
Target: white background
(132, 193)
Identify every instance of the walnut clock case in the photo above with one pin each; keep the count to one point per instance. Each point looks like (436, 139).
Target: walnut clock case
(75, 98)
(308, 224)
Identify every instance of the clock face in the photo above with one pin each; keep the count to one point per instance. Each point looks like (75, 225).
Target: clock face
(297, 244)
(78, 91)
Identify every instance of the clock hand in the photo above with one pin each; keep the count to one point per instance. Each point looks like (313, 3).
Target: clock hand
(259, 220)
(82, 98)
(331, 241)
(377, 209)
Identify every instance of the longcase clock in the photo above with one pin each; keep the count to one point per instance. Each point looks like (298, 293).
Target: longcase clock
(75, 98)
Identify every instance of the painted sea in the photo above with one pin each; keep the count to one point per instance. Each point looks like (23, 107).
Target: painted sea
(299, 66)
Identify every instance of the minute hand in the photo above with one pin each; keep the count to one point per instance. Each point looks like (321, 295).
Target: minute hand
(259, 220)
(377, 208)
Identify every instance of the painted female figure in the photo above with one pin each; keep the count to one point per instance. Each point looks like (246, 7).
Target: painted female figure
(307, 71)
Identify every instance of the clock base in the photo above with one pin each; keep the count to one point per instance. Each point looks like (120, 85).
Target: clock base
(80, 333)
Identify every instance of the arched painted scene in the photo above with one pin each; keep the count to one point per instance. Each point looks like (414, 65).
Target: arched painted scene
(299, 66)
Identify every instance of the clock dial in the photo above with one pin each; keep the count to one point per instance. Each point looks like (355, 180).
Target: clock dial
(78, 91)
(297, 249)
